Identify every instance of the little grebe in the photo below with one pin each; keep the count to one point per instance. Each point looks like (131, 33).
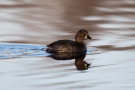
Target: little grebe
(68, 45)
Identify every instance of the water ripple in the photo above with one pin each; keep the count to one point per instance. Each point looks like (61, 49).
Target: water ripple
(20, 50)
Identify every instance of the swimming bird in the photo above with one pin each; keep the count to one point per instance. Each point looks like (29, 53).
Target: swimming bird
(69, 45)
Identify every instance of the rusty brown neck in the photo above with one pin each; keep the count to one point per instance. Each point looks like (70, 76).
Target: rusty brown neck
(79, 38)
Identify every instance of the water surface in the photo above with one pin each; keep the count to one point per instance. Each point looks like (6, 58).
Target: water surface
(27, 26)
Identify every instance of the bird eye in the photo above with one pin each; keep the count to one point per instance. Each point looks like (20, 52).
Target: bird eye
(85, 65)
(86, 37)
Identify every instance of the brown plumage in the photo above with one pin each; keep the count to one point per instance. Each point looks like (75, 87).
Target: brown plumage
(70, 46)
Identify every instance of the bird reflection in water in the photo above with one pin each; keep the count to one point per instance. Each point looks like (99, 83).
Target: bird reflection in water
(79, 58)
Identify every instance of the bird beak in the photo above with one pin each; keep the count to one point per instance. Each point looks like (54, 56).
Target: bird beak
(89, 37)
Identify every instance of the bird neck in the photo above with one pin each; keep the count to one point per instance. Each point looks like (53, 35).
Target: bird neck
(79, 38)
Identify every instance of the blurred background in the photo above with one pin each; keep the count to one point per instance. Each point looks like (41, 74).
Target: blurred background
(44, 21)
(111, 24)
